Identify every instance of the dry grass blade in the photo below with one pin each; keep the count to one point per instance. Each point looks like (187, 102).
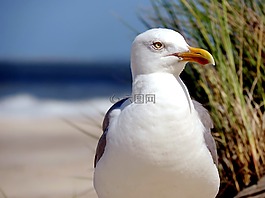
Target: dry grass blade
(80, 129)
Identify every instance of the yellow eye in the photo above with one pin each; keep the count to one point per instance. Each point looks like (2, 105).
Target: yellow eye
(158, 45)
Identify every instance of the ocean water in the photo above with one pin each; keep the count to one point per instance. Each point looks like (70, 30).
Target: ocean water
(33, 89)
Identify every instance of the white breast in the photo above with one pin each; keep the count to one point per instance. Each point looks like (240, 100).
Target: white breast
(157, 149)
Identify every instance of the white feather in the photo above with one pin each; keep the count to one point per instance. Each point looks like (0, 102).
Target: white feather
(156, 149)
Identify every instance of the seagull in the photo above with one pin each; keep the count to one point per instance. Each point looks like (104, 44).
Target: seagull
(158, 143)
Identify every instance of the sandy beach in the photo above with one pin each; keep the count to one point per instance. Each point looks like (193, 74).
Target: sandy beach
(46, 157)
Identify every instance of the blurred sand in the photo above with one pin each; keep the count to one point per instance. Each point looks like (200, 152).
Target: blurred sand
(47, 157)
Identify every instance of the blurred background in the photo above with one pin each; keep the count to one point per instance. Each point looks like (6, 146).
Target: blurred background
(65, 50)
(62, 65)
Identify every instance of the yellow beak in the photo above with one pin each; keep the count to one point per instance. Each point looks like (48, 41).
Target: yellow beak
(197, 55)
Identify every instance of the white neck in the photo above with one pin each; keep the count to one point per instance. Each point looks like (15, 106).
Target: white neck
(165, 87)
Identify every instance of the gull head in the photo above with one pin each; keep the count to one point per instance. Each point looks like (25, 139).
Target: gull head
(164, 50)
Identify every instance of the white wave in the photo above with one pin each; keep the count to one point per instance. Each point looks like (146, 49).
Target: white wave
(25, 105)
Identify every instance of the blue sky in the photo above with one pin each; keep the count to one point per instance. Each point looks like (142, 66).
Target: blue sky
(85, 30)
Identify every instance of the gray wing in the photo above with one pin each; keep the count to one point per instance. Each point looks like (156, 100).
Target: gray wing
(102, 140)
(208, 124)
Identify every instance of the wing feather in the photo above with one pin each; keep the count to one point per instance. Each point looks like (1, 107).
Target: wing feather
(208, 124)
(102, 140)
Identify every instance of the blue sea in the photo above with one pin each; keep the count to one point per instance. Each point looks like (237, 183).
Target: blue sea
(30, 89)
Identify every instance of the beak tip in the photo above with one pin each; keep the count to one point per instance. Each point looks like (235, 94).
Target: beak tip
(201, 56)
(211, 61)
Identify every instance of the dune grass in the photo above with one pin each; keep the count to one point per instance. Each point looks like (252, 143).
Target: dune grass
(234, 33)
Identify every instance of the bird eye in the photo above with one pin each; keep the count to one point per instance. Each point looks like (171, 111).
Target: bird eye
(158, 45)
